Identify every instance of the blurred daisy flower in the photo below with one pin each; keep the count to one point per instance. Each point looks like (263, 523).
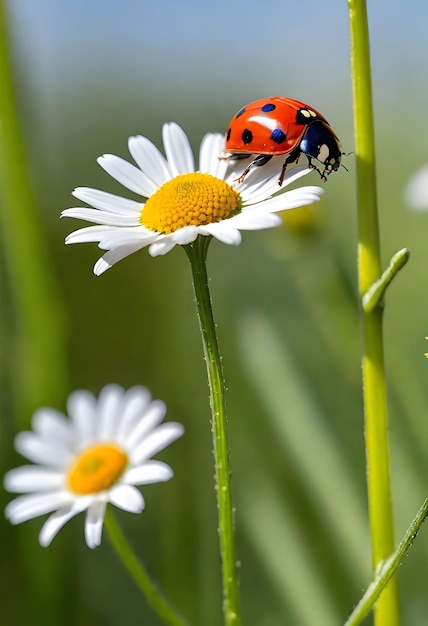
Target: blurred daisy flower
(182, 203)
(95, 456)
(307, 221)
(416, 190)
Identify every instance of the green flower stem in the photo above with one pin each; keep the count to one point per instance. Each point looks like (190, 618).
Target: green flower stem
(387, 570)
(197, 252)
(373, 371)
(125, 553)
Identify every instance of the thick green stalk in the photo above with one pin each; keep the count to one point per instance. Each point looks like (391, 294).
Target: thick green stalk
(36, 352)
(32, 342)
(124, 551)
(373, 371)
(197, 252)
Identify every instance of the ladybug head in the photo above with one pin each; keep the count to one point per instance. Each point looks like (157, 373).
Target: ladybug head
(319, 142)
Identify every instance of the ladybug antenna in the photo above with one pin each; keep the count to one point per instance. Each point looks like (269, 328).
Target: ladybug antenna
(346, 154)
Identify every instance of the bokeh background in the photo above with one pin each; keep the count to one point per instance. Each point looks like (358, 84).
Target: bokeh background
(90, 73)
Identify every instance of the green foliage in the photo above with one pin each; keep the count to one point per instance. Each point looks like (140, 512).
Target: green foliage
(286, 308)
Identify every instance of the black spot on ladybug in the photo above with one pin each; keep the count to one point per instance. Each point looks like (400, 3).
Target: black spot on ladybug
(240, 112)
(278, 136)
(267, 108)
(302, 117)
(247, 136)
(229, 130)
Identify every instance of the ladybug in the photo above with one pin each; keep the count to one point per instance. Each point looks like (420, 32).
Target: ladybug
(279, 125)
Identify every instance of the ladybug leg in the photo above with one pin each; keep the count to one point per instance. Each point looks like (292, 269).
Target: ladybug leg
(314, 167)
(234, 157)
(261, 159)
(281, 176)
(293, 157)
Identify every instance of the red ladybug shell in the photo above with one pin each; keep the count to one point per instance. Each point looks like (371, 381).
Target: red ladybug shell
(270, 126)
(278, 125)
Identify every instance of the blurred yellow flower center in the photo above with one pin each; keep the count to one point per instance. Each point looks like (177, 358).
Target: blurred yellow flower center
(96, 469)
(302, 221)
(190, 200)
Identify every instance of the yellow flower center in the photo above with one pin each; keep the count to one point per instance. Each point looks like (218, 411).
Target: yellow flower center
(96, 469)
(190, 200)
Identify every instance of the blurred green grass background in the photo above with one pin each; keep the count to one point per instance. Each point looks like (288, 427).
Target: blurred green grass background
(285, 303)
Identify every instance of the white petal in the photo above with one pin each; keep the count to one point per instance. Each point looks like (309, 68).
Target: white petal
(89, 234)
(114, 256)
(102, 265)
(234, 171)
(149, 159)
(39, 450)
(159, 248)
(295, 173)
(33, 505)
(185, 235)
(94, 523)
(225, 232)
(253, 220)
(152, 417)
(101, 217)
(82, 409)
(109, 411)
(157, 441)
(289, 200)
(211, 149)
(148, 473)
(177, 149)
(416, 192)
(108, 201)
(262, 186)
(118, 237)
(56, 521)
(181, 237)
(268, 176)
(32, 478)
(264, 183)
(127, 175)
(52, 425)
(137, 400)
(127, 498)
(110, 237)
(261, 190)
(256, 177)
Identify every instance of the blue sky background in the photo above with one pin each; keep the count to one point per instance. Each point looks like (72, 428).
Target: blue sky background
(113, 68)
(258, 47)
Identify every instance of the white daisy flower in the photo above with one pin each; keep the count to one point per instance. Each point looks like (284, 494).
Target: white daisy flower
(416, 191)
(182, 203)
(96, 456)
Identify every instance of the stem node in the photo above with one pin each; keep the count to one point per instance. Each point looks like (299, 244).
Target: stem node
(374, 295)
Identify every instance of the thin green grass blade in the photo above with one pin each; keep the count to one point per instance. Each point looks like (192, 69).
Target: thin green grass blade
(290, 565)
(303, 432)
